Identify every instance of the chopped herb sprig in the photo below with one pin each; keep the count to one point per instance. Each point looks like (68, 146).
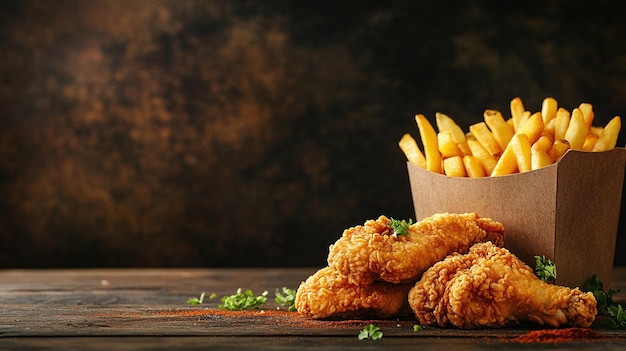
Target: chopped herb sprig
(196, 300)
(603, 298)
(287, 298)
(370, 332)
(616, 317)
(243, 300)
(615, 313)
(199, 300)
(400, 227)
(545, 269)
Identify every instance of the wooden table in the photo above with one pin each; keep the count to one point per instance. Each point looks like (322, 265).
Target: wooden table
(132, 309)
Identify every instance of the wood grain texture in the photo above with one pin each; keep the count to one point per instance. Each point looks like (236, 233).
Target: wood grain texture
(132, 309)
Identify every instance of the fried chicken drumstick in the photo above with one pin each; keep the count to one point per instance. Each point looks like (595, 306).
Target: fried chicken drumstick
(491, 287)
(329, 295)
(371, 252)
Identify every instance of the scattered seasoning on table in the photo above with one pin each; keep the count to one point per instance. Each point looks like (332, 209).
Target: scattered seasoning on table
(558, 335)
(250, 317)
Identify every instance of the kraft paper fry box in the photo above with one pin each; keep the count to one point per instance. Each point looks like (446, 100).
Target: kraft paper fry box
(568, 211)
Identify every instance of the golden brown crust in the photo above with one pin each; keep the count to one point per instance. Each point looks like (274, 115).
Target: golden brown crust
(370, 252)
(329, 295)
(491, 287)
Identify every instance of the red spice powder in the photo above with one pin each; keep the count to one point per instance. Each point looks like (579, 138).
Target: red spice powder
(282, 318)
(558, 335)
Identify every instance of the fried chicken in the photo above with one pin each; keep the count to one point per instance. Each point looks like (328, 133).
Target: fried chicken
(490, 287)
(371, 252)
(329, 295)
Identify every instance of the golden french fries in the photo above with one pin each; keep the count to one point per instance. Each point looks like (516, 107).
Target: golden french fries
(445, 123)
(487, 160)
(500, 146)
(540, 153)
(521, 149)
(517, 112)
(587, 110)
(532, 127)
(576, 131)
(481, 132)
(608, 137)
(548, 109)
(409, 146)
(453, 167)
(507, 163)
(561, 123)
(473, 167)
(559, 148)
(430, 143)
(502, 131)
(447, 146)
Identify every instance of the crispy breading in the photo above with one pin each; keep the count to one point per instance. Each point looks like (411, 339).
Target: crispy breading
(370, 252)
(329, 295)
(490, 287)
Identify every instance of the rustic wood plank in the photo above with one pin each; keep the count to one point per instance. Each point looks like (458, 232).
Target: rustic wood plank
(61, 304)
(329, 343)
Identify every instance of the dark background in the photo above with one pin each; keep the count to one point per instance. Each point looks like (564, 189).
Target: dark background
(251, 133)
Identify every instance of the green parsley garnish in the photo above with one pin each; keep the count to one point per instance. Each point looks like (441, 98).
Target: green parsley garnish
(616, 317)
(400, 227)
(417, 327)
(199, 300)
(243, 301)
(370, 332)
(195, 300)
(286, 298)
(545, 269)
(604, 298)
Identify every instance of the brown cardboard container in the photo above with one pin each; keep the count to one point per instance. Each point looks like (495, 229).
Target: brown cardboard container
(568, 211)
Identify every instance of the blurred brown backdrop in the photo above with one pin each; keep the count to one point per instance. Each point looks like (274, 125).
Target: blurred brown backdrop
(251, 133)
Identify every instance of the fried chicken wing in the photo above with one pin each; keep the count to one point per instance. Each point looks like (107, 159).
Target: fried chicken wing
(329, 295)
(491, 287)
(371, 252)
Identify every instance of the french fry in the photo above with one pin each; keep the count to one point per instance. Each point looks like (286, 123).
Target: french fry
(469, 136)
(453, 167)
(544, 143)
(430, 144)
(561, 123)
(576, 131)
(444, 122)
(501, 131)
(588, 114)
(507, 163)
(411, 150)
(497, 146)
(540, 153)
(487, 160)
(548, 109)
(510, 123)
(520, 145)
(548, 128)
(533, 127)
(485, 137)
(559, 148)
(539, 159)
(447, 146)
(473, 167)
(517, 112)
(596, 130)
(608, 138)
(590, 142)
